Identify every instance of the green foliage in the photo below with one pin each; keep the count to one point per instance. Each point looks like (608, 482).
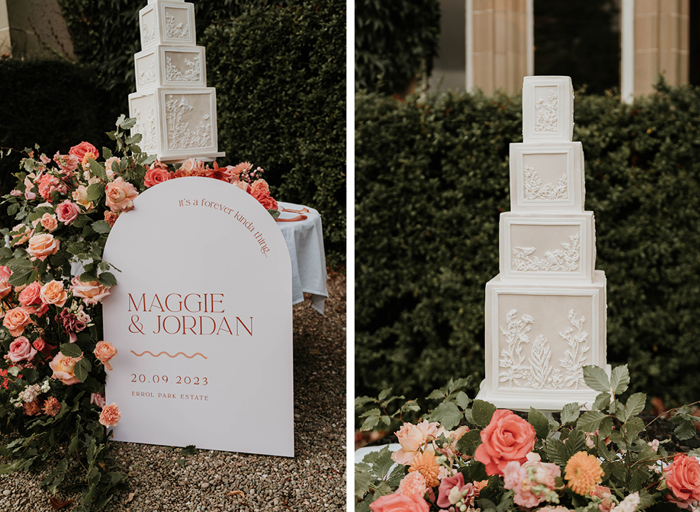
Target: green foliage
(432, 178)
(394, 41)
(53, 103)
(279, 70)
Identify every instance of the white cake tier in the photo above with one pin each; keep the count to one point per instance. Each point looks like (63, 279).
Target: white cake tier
(167, 22)
(547, 177)
(548, 109)
(176, 124)
(538, 339)
(542, 247)
(170, 66)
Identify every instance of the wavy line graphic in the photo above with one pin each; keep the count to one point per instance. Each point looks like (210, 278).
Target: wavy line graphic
(169, 355)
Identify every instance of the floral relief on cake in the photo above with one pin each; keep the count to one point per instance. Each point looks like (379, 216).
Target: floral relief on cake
(565, 259)
(148, 33)
(146, 126)
(549, 191)
(174, 30)
(192, 72)
(180, 136)
(148, 76)
(546, 119)
(536, 371)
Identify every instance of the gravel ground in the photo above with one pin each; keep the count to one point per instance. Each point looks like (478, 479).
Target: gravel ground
(213, 481)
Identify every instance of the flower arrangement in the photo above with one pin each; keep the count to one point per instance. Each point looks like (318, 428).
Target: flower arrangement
(588, 461)
(53, 361)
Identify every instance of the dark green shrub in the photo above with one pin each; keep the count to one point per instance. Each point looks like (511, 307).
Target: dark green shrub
(53, 103)
(392, 41)
(431, 181)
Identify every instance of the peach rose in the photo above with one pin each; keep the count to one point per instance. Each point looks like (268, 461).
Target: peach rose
(108, 166)
(49, 222)
(5, 288)
(67, 212)
(21, 349)
(104, 351)
(64, 368)
(84, 151)
(42, 246)
(80, 196)
(91, 292)
(5, 272)
(242, 185)
(192, 167)
(30, 296)
(16, 320)
(412, 438)
(23, 234)
(54, 293)
(507, 437)
(110, 415)
(156, 175)
(120, 195)
(683, 479)
(259, 187)
(400, 503)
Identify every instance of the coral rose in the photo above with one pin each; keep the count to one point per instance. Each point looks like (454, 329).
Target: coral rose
(21, 349)
(156, 175)
(67, 212)
(91, 292)
(84, 151)
(31, 295)
(120, 195)
(53, 293)
(259, 187)
(16, 320)
(507, 437)
(42, 246)
(110, 415)
(104, 351)
(683, 479)
(48, 184)
(49, 222)
(64, 368)
(43, 347)
(400, 503)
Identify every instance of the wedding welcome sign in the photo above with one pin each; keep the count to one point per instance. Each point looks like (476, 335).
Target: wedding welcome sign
(202, 321)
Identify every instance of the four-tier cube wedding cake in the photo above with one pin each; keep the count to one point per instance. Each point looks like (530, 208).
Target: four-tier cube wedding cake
(546, 310)
(174, 109)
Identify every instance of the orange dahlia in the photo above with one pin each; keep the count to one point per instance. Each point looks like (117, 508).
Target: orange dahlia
(583, 472)
(427, 466)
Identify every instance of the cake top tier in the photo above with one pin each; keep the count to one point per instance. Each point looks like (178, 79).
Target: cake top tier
(167, 22)
(548, 109)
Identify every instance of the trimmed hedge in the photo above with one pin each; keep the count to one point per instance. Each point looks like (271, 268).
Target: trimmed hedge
(53, 103)
(432, 177)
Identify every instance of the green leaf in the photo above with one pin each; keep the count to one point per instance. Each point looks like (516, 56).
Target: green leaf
(70, 350)
(685, 430)
(620, 379)
(556, 450)
(190, 449)
(576, 442)
(570, 413)
(107, 279)
(101, 226)
(87, 277)
(447, 414)
(539, 421)
(362, 482)
(468, 443)
(602, 401)
(82, 368)
(370, 422)
(635, 405)
(97, 169)
(590, 421)
(482, 412)
(436, 394)
(128, 124)
(462, 400)
(107, 153)
(596, 378)
(384, 394)
(95, 192)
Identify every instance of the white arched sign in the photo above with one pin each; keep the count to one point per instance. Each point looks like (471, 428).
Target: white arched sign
(202, 321)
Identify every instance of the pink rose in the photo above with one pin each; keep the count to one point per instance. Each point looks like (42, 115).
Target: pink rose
(42, 246)
(104, 351)
(30, 296)
(67, 212)
(5, 288)
(238, 169)
(120, 195)
(412, 438)
(110, 415)
(15, 193)
(448, 497)
(98, 399)
(21, 349)
(48, 184)
(23, 233)
(242, 185)
(49, 222)
(683, 479)
(5, 272)
(53, 293)
(156, 175)
(67, 163)
(64, 368)
(91, 292)
(84, 151)
(16, 320)
(400, 503)
(507, 437)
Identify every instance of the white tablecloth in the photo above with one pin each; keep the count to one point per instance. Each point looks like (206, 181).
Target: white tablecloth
(305, 242)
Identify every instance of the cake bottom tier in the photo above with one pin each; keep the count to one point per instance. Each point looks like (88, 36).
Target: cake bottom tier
(538, 339)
